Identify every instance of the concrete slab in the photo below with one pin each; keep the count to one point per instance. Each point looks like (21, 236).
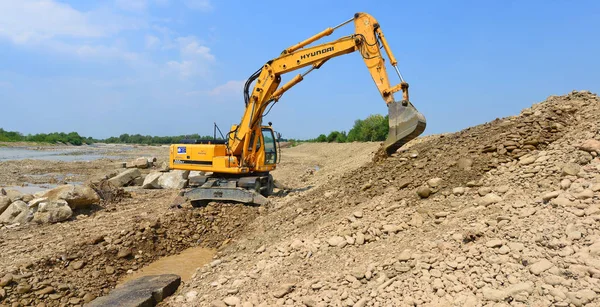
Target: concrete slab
(146, 291)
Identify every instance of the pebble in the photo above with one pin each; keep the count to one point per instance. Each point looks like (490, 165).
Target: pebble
(494, 243)
(424, 191)
(516, 246)
(562, 202)
(46, 290)
(124, 252)
(360, 238)
(565, 184)
(7, 279)
(283, 290)
(434, 182)
(490, 199)
(483, 191)
(540, 266)
(109, 270)
(518, 204)
(405, 255)
(391, 228)
(231, 301)
(570, 169)
(458, 191)
(76, 265)
(526, 160)
(358, 214)
(503, 250)
(261, 249)
(435, 273)
(441, 214)
(585, 194)
(550, 195)
(23, 288)
(336, 241)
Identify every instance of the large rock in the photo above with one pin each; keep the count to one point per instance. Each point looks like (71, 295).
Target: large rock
(75, 195)
(4, 203)
(177, 179)
(125, 177)
(17, 212)
(151, 181)
(138, 163)
(52, 212)
(144, 291)
(14, 195)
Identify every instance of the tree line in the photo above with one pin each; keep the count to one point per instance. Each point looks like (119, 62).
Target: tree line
(374, 128)
(152, 140)
(55, 137)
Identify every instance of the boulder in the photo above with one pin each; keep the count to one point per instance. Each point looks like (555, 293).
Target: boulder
(177, 179)
(14, 195)
(164, 167)
(4, 203)
(125, 177)
(151, 181)
(17, 212)
(75, 195)
(52, 212)
(138, 163)
(138, 181)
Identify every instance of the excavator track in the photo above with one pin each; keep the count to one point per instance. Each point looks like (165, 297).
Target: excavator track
(405, 122)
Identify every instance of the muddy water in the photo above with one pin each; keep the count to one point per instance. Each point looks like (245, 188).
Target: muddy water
(183, 264)
(65, 155)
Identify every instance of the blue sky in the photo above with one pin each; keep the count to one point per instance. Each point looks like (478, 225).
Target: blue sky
(167, 67)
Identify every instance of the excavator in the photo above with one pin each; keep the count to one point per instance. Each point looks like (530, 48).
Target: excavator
(237, 168)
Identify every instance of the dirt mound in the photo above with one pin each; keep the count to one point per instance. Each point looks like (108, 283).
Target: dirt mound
(502, 213)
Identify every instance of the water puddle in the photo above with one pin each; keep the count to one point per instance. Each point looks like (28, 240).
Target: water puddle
(64, 155)
(32, 188)
(184, 264)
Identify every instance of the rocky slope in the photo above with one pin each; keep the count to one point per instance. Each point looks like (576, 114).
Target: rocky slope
(501, 214)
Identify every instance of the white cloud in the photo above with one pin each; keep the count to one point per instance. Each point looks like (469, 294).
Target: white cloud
(202, 5)
(191, 48)
(48, 25)
(22, 21)
(195, 58)
(151, 41)
(132, 5)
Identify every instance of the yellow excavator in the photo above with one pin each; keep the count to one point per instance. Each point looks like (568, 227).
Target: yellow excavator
(237, 167)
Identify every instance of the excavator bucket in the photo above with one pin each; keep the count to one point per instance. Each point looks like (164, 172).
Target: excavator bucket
(406, 123)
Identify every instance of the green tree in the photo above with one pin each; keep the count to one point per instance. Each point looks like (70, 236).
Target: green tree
(337, 137)
(322, 138)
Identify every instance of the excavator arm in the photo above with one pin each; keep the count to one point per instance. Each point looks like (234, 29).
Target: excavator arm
(405, 122)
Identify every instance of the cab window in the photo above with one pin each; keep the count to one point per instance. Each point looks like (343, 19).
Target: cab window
(270, 147)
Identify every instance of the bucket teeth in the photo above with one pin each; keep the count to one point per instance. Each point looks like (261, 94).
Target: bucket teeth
(406, 123)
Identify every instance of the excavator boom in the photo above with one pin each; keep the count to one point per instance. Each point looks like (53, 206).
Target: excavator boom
(405, 121)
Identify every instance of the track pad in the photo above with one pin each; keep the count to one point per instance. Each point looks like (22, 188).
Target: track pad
(406, 123)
